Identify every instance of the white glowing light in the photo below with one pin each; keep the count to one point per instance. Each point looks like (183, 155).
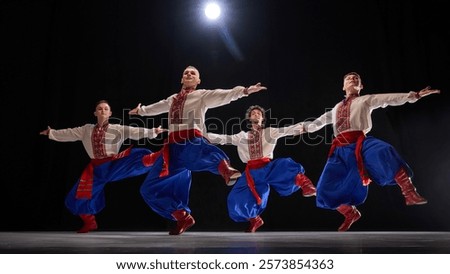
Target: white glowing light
(212, 11)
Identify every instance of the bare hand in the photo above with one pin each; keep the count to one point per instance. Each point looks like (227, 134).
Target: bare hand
(427, 91)
(45, 131)
(159, 130)
(135, 110)
(255, 88)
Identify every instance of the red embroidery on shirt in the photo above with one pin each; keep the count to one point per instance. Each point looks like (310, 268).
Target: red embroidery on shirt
(343, 115)
(98, 141)
(176, 109)
(255, 147)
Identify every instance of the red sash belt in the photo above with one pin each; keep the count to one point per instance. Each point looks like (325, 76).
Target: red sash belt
(254, 164)
(351, 137)
(176, 137)
(84, 189)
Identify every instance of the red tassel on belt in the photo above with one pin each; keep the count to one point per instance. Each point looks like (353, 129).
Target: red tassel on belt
(254, 164)
(84, 189)
(351, 137)
(176, 137)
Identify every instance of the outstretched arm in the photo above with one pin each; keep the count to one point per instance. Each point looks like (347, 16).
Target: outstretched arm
(219, 97)
(152, 109)
(136, 133)
(397, 99)
(323, 120)
(65, 135)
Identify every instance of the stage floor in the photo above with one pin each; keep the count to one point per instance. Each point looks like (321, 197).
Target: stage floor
(126, 242)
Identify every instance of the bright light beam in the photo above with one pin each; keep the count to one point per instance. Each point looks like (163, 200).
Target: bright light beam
(212, 11)
(231, 44)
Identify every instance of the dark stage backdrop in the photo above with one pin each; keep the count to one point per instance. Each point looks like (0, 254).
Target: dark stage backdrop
(59, 57)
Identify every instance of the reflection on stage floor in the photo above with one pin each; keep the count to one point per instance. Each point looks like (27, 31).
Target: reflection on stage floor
(126, 242)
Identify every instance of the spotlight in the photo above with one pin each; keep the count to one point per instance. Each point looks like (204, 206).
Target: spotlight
(212, 11)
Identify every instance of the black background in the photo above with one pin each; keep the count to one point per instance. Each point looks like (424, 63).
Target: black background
(59, 57)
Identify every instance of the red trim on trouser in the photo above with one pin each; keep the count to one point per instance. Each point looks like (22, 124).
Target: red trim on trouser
(175, 137)
(351, 137)
(254, 164)
(84, 189)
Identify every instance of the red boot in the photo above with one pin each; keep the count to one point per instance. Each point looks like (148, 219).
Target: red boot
(89, 223)
(228, 173)
(306, 185)
(408, 189)
(255, 223)
(184, 222)
(351, 215)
